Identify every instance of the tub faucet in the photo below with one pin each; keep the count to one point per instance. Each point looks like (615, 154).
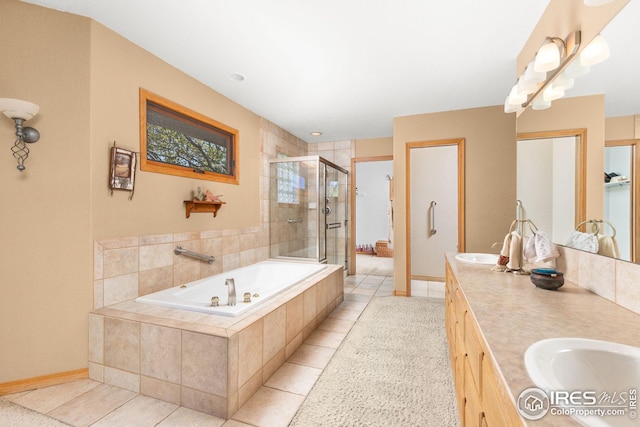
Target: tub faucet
(232, 291)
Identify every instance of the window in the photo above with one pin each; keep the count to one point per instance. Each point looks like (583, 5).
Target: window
(178, 141)
(289, 181)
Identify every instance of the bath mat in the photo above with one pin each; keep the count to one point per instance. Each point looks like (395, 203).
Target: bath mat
(392, 370)
(16, 415)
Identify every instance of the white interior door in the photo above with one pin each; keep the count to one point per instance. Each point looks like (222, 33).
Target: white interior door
(434, 208)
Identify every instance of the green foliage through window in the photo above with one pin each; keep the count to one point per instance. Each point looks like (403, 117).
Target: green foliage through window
(178, 143)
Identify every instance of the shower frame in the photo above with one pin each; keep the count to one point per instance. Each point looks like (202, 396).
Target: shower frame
(321, 256)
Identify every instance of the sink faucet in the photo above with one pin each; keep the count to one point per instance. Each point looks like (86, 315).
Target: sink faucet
(232, 291)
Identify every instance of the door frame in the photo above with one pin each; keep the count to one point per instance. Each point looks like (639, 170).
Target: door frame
(581, 163)
(459, 143)
(352, 231)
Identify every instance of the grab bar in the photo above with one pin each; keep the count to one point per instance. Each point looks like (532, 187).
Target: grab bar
(179, 250)
(432, 208)
(293, 220)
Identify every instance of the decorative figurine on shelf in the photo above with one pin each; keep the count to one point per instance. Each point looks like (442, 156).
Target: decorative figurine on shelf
(206, 196)
(210, 197)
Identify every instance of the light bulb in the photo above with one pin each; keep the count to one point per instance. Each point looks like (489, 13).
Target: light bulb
(516, 98)
(551, 94)
(595, 52)
(540, 104)
(510, 108)
(547, 58)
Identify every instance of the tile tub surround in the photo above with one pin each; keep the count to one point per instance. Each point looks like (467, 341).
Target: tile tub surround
(208, 363)
(129, 267)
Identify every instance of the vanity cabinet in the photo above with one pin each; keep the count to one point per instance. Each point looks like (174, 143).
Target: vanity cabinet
(481, 395)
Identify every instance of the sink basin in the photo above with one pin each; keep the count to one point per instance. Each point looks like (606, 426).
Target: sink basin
(592, 366)
(477, 258)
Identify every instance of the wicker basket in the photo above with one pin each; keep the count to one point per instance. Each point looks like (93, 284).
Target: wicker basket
(383, 249)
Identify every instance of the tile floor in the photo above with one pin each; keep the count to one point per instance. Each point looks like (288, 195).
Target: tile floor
(90, 403)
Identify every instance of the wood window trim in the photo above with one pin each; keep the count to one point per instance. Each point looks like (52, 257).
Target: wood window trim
(177, 170)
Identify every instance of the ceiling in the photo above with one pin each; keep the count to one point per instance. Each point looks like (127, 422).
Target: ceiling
(345, 68)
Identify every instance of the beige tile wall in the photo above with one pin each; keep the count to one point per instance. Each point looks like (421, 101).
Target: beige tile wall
(208, 363)
(613, 279)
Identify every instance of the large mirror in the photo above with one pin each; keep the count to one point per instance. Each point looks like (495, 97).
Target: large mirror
(617, 79)
(550, 178)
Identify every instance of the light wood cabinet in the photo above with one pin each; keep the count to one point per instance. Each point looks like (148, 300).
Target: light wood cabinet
(481, 394)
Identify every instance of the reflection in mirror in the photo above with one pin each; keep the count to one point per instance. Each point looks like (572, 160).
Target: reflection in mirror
(617, 79)
(550, 180)
(619, 159)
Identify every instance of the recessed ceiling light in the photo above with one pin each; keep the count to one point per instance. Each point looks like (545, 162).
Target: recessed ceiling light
(316, 133)
(236, 76)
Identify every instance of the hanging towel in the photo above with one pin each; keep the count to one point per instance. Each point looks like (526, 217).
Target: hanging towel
(503, 259)
(583, 241)
(545, 249)
(608, 246)
(530, 248)
(515, 251)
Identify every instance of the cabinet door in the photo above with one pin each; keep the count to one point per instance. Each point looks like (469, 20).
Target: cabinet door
(474, 349)
(497, 406)
(472, 413)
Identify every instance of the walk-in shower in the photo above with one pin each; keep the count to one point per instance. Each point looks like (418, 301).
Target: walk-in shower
(308, 210)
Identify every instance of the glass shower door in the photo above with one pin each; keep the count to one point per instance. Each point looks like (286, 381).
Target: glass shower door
(292, 208)
(335, 215)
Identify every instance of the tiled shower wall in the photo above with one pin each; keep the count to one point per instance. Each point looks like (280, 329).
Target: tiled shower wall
(127, 267)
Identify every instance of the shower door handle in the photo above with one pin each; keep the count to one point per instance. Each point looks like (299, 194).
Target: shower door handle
(431, 213)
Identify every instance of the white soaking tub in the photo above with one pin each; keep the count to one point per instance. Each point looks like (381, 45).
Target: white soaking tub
(265, 279)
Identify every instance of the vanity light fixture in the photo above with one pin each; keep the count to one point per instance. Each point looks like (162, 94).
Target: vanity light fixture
(20, 111)
(552, 58)
(553, 71)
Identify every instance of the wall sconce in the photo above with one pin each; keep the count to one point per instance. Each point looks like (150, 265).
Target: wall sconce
(553, 71)
(20, 111)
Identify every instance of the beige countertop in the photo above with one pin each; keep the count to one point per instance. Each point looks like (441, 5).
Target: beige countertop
(513, 314)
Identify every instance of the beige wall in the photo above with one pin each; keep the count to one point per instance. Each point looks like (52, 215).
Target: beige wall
(622, 127)
(118, 69)
(86, 79)
(374, 147)
(576, 113)
(490, 174)
(45, 222)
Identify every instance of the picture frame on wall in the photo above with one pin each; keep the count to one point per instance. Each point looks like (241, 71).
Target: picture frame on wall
(123, 170)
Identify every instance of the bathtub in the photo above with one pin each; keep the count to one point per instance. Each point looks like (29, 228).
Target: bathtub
(262, 280)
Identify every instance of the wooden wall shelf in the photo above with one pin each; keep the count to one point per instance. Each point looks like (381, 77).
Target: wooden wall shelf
(202, 206)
